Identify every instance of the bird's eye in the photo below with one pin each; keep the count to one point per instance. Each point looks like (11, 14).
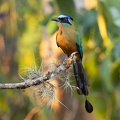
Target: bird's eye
(65, 19)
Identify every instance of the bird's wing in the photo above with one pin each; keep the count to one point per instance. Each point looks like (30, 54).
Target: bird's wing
(79, 44)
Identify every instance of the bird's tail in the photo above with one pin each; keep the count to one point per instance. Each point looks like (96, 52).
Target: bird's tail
(81, 78)
(82, 83)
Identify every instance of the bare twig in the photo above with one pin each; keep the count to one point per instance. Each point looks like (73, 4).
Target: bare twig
(32, 82)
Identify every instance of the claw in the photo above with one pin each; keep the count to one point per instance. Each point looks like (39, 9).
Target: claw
(74, 53)
(73, 56)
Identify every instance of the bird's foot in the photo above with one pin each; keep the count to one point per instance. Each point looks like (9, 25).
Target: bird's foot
(74, 57)
(74, 53)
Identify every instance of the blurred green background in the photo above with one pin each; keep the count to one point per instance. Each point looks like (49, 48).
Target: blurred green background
(23, 24)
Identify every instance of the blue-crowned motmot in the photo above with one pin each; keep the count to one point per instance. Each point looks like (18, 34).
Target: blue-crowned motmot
(68, 39)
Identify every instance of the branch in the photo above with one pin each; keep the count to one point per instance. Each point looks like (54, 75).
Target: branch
(33, 82)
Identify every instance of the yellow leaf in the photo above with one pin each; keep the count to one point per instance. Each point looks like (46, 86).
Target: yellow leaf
(103, 30)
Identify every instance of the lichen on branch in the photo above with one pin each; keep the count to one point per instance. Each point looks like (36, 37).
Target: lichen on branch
(37, 79)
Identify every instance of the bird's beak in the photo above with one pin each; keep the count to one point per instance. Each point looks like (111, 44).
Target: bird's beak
(55, 19)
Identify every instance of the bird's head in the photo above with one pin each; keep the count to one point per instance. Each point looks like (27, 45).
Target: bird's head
(63, 19)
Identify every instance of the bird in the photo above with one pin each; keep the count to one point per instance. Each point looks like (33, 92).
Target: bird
(69, 40)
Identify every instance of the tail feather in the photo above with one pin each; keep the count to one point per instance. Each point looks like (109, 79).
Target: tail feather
(82, 83)
(81, 78)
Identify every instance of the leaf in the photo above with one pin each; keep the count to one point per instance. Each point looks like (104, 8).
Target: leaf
(116, 50)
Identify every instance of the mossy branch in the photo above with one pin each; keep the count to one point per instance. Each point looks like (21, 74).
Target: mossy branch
(33, 82)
